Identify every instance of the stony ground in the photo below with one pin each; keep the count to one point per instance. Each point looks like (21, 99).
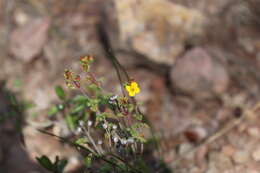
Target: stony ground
(197, 64)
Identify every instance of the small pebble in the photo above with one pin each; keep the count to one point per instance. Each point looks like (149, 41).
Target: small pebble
(256, 155)
(253, 131)
(228, 150)
(212, 170)
(184, 148)
(241, 156)
(252, 171)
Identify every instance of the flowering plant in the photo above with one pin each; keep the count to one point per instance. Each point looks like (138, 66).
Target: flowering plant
(109, 127)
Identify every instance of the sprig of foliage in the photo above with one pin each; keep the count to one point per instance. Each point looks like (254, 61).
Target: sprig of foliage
(109, 126)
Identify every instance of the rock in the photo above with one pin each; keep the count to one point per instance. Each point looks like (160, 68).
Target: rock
(199, 74)
(200, 156)
(241, 156)
(256, 155)
(27, 41)
(21, 18)
(158, 29)
(253, 131)
(220, 161)
(252, 171)
(184, 148)
(228, 150)
(212, 170)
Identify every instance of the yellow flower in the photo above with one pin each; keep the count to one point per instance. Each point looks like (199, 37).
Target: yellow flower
(132, 89)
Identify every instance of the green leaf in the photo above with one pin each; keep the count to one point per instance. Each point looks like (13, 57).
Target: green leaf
(138, 117)
(135, 133)
(105, 168)
(17, 83)
(101, 117)
(70, 122)
(53, 110)
(80, 98)
(45, 162)
(88, 161)
(141, 165)
(78, 108)
(60, 92)
(81, 141)
(61, 165)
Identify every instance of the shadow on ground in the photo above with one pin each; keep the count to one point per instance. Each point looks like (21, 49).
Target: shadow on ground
(13, 156)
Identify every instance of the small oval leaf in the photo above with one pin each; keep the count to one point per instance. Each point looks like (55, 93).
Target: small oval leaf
(60, 92)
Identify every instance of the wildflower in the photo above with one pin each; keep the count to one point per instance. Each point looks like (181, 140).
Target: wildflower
(70, 85)
(60, 106)
(85, 62)
(123, 100)
(115, 139)
(123, 141)
(90, 123)
(100, 142)
(86, 59)
(68, 74)
(71, 79)
(112, 99)
(105, 126)
(132, 89)
(79, 130)
(114, 127)
(81, 123)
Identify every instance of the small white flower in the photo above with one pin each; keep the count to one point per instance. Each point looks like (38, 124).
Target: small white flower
(130, 140)
(79, 130)
(115, 139)
(60, 106)
(90, 123)
(105, 125)
(100, 142)
(114, 126)
(112, 99)
(123, 141)
(81, 123)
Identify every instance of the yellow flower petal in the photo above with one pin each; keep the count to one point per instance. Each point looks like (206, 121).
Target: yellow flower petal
(137, 90)
(132, 89)
(134, 84)
(128, 88)
(131, 94)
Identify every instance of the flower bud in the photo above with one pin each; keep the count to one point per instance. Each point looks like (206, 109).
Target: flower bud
(105, 125)
(114, 127)
(90, 123)
(115, 139)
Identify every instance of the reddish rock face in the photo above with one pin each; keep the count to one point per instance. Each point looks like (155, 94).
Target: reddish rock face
(27, 41)
(197, 73)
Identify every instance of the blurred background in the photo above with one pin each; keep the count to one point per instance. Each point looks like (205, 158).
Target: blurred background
(197, 63)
